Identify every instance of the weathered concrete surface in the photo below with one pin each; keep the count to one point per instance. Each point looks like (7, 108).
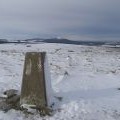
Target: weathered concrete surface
(33, 91)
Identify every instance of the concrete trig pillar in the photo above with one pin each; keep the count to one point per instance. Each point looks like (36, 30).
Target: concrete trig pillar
(36, 83)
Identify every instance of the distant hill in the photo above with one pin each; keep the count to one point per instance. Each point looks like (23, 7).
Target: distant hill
(3, 41)
(66, 41)
(61, 41)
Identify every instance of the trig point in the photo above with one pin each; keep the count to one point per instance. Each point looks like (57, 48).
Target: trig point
(36, 83)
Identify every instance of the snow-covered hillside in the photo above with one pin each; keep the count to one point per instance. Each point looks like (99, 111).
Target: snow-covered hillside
(87, 77)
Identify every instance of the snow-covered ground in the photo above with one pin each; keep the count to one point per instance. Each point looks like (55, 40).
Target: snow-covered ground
(87, 77)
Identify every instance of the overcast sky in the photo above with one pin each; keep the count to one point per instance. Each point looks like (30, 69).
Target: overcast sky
(74, 19)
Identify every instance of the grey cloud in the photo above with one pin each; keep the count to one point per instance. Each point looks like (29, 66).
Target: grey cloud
(36, 18)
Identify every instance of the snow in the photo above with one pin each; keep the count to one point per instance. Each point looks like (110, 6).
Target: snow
(87, 77)
(49, 91)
